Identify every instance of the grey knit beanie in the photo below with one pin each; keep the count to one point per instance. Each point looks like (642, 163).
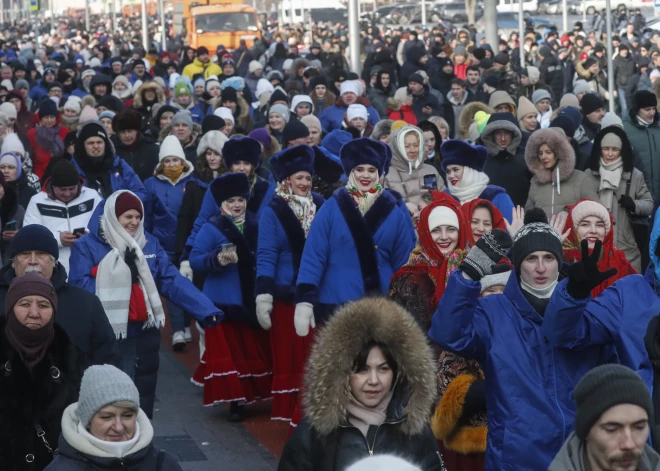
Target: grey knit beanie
(102, 385)
(604, 387)
(183, 117)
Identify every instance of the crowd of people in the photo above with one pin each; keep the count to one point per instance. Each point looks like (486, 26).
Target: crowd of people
(444, 261)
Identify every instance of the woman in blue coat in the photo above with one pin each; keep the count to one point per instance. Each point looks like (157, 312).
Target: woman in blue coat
(283, 229)
(529, 383)
(165, 195)
(358, 239)
(466, 180)
(128, 270)
(236, 363)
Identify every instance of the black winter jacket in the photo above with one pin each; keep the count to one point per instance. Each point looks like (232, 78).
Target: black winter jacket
(142, 156)
(38, 399)
(80, 314)
(624, 68)
(423, 100)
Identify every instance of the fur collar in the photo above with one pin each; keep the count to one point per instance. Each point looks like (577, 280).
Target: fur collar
(331, 362)
(488, 139)
(467, 116)
(70, 433)
(559, 145)
(139, 95)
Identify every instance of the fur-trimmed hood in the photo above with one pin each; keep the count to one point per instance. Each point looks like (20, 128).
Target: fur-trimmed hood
(559, 145)
(382, 127)
(150, 85)
(330, 365)
(466, 117)
(488, 139)
(167, 130)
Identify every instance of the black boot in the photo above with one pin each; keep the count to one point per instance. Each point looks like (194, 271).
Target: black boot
(235, 412)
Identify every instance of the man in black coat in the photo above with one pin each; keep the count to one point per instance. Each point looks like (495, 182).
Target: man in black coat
(140, 152)
(79, 312)
(424, 104)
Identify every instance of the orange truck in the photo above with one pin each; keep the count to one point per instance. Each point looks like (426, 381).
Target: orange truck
(135, 9)
(215, 22)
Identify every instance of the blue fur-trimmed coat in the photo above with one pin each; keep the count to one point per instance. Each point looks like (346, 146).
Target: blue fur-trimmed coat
(230, 287)
(280, 249)
(344, 261)
(261, 194)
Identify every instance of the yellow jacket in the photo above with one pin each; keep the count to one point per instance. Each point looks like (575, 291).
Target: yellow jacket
(197, 67)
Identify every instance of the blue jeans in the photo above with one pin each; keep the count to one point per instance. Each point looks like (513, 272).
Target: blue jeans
(178, 317)
(622, 101)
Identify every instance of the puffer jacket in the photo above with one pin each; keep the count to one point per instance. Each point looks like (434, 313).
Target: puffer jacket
(529, 383)
(624, 237)
(163, 204)
(199, 67)
(333, 116)
(647, 143)
(326, 440)
(76, 453)
(553, 190)
(405, 177)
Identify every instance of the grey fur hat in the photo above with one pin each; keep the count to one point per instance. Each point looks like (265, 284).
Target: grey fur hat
(382, 128)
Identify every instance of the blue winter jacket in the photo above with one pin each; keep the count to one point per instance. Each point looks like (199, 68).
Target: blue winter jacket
(348, 256)
(262, 192)
(613, 318)
(80, 92)
(280, 248)
(89, 250)
(529, 382)
(230, 287)
(500, 199)
(197, 113)
(333, 117)
(122, 177)
(162, 207)
(38, 93)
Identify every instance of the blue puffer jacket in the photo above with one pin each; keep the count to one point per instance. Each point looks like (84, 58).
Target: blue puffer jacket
(348, 256)
(280, 248)
(162, 207)
(529, 383)
(122, 177)
(89, 250)
(38, 93)
(230, 287)
(333, 117)
(262, 192)
(613, 318)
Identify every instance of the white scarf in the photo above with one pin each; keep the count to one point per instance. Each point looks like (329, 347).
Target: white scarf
(113, 279)
(641, 122)
(116, 449)
(471, 185)
(541, 293)
(610, 179)
(123, 95)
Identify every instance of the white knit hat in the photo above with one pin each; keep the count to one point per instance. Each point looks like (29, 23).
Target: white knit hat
(9, 110)
(498, 279)
(356, 111)
(588, 208)
(263, 85)
(224, 113)
(13, 144)
(443, 216)
(298, 99)
(287, 64)
(610, 119)
(254, 65)
(7, 84)
(611, 140)
(171, 147)
(213, 140)
(349, 86)
(212, 82)
(173, 79)
(72, 105)
(103, 385)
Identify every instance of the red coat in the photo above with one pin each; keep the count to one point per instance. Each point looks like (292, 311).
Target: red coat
(40, 156)
(405, 113)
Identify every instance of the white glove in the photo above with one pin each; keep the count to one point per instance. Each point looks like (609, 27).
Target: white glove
(303, 319)
(185, 270)
(264, 308)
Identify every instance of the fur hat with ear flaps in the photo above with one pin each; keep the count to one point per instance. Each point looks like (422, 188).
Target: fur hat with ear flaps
(293, 160)
(230, 185)
(562, 150)
(339, 343)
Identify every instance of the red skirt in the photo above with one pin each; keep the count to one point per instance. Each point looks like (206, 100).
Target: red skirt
(290, 353)
(455, 461)
(236, 365)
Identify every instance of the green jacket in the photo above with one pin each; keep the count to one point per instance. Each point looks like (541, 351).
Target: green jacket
(647, 143)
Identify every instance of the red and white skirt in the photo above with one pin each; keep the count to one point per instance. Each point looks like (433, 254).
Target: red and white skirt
(290, 353)
(236, 364)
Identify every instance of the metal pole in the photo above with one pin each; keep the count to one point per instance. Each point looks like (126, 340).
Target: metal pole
(52, 15)
(490, 15)
(521, 33)
(163, 34)
(354, 35)
(423, 13)
(565, 16)
(145, 34)
(584, 11)
(87, 15)
(293, 13)
(610, 68)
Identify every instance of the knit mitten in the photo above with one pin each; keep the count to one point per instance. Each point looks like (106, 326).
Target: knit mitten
(490, 249)
(264, 304)
(303, 318)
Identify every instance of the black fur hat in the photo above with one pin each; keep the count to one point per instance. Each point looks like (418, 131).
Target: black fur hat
(242, 148)
(363, 151)
(127, 120)
(293, 160)
(327, 166)
(230, 185)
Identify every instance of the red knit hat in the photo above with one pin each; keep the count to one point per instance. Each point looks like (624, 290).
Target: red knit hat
(127, 201)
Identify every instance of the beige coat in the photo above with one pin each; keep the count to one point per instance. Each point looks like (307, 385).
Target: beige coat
(409, 182)
(624, 238)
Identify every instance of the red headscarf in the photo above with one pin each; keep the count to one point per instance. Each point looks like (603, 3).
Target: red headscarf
(428, 259)
(469, 208)
(610, 256)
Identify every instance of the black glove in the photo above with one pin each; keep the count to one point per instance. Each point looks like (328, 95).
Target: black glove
(583, 276)
(475, 399)
(627, 203)
(490, 249)
(130, 258)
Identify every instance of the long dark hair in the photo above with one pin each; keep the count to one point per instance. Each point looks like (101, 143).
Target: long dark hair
(430, 127)
(360, 362)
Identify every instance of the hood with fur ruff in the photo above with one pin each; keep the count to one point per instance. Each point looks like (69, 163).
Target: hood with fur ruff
(466, 117)
(339, 343)
(150, 85)
(561, 148)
